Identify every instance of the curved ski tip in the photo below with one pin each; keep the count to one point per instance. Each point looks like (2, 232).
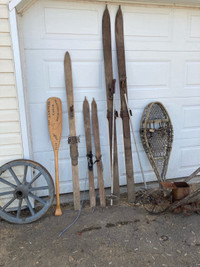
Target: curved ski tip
(67, 55)
(119, 11)
(94, 103)
(106, 12)
(85, 99)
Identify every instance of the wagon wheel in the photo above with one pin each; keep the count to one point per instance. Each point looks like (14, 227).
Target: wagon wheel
(21, 200)
(156, 201)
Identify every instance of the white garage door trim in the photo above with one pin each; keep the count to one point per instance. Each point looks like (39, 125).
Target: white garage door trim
(19, 83)
(20, 5)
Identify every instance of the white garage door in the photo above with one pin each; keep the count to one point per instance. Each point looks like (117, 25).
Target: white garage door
(163, 63)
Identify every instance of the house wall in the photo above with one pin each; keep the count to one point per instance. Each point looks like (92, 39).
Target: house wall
(10, 132)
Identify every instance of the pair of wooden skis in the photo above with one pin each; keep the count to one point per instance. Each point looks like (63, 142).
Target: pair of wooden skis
(111, 113)
(98, 161)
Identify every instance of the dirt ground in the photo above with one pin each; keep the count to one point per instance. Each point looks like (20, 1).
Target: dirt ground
(122, 235)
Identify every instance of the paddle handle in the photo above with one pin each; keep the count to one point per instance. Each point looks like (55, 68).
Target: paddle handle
(58, 209)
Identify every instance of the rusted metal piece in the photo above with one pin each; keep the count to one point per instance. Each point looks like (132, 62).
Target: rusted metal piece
(181, 190)
(156, 133)
(194, 196)
(168, 185)
(73, 140)
(178, 196)
(71, 111)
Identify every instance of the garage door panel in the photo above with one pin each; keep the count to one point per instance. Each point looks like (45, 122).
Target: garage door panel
(162, 74)
(161, 29)
(149, 73)
(184, 114)
(65, 21)
(192, 74)
(148, 23)
(194, 26)
(190, 156)
(185, 158)
(45, 75)
(146, 74)
(71, 21)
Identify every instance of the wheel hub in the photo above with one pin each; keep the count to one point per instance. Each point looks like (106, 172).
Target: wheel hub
(21, 192)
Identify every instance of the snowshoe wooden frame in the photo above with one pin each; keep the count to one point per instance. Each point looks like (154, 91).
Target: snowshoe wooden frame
(156, 133)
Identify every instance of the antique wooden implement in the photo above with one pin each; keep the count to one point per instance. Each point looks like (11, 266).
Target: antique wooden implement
(119, 36)
(54, 115)
(156, 132)
(95, 125)
(110, 93)
(88, 139)
(73, 139)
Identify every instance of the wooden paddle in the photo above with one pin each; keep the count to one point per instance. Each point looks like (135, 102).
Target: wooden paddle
(54, 115)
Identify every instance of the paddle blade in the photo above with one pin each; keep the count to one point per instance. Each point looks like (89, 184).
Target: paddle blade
(54, 115)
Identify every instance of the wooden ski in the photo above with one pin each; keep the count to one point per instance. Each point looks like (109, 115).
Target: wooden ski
(95, 125)
(73, 139)
(119, 35)
(110, 91)
(87, 126)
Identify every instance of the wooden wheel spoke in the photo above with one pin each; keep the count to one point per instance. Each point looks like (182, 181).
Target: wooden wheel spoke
(7, 183)
(35, 178)
(38, 188)
(14, 176)
(6, 193)
(29, 206)
(25, 174)
(19, 208)
(153, 209)
(9, 203)
(37, 198)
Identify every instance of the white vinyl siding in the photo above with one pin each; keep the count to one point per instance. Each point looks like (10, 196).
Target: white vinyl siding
(10, 132)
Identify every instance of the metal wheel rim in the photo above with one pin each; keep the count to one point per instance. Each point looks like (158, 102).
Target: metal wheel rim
(24, 191)
(155, 205)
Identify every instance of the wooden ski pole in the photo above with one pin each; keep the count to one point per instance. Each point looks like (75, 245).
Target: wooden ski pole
(112, 162)
(128, 109)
